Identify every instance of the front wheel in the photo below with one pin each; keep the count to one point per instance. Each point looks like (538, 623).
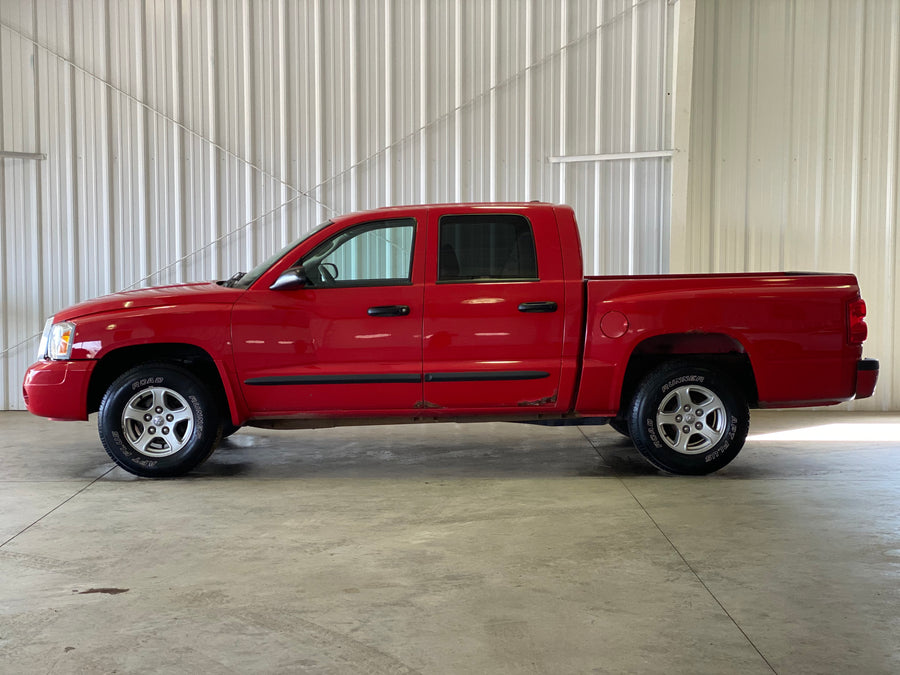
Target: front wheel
(158, 420)
(620, 425)
(688, 419)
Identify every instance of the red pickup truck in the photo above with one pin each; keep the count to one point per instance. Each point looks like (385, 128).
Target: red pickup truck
(448, 313)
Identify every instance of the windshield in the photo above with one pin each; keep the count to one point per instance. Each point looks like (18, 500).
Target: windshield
(246, 280)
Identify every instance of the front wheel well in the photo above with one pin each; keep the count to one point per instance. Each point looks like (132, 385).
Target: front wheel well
(190, 357)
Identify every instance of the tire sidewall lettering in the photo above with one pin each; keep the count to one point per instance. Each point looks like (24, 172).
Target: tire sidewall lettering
(146, 382)
(652, 433)
(198, 413)
(683, 379)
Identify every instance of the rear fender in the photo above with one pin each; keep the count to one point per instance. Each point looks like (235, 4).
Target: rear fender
(622, 377)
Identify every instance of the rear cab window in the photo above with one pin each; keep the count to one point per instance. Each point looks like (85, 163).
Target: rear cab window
(486, 248)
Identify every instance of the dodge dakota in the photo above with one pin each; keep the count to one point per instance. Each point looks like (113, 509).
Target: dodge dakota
(454, 312)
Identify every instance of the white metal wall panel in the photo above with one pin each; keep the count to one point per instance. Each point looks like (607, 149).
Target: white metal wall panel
(189, 139)
(795, 159)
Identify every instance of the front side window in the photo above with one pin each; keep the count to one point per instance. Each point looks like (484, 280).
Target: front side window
(372, 254)
(486, 248)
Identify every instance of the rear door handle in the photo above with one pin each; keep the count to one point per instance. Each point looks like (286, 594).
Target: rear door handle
(546, 306)
(389, 310)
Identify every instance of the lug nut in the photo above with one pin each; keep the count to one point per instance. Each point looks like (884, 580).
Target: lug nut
(165, 430)
(699, 411)
(148, 417)
(686, 429)
(151, 430)
(698, 426)
(169, 418)
(678, 418)
(687, 408)
(158, 410)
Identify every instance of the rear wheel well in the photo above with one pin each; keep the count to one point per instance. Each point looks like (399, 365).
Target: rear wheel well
(190, 357)
(713, 350)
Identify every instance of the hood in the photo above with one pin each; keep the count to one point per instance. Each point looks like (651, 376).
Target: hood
(207, 292)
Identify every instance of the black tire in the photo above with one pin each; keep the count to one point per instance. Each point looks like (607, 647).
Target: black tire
(159, 420)
(621, 426)
(670, 400)
(228, 428)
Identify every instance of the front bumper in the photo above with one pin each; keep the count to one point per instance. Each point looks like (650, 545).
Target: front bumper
(58, 389)
(866, 377)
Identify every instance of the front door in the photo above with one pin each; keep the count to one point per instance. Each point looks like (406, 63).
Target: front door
(349, 341)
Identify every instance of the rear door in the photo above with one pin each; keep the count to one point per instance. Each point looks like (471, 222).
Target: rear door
(494, 309)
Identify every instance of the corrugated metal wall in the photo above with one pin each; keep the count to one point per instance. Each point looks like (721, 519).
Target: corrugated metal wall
(795, 149)
(186, 139)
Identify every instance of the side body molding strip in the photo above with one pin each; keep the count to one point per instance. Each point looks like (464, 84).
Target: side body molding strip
(399, 378)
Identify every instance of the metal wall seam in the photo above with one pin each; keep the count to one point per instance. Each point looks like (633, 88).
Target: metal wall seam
(458, 102)
(528, 103)
(563, 99)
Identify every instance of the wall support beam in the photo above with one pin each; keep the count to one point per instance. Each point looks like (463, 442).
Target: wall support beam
(682, 83)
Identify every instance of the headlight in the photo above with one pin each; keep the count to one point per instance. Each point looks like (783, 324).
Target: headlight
(57, 340)
(45, 337)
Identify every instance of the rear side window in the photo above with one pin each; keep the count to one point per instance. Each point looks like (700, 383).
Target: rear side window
(486, 248)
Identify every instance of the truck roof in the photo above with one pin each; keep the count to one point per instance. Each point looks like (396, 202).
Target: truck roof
(462, 207)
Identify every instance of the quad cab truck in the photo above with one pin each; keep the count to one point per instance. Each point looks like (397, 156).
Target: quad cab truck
(455, 312)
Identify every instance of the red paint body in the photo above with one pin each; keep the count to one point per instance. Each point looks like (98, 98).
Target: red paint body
(447, 357)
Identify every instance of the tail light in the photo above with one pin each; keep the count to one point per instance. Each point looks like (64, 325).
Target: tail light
(858, 331)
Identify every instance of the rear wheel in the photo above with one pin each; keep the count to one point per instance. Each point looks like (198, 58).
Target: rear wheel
(228, 428)
(688, 419)
(158, 420)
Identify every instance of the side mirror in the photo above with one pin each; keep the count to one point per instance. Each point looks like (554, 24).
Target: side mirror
(290, 280)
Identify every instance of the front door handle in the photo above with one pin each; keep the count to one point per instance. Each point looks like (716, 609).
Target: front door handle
(389, 310)
(546, 306)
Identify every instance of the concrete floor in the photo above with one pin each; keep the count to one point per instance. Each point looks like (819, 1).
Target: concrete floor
(484, 548)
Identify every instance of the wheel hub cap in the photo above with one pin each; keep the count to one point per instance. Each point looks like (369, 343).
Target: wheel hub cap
(157, 422)
(691, 419)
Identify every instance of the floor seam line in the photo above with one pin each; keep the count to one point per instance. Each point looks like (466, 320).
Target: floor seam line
(700, 579)
(56, 508)
(680, 555)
